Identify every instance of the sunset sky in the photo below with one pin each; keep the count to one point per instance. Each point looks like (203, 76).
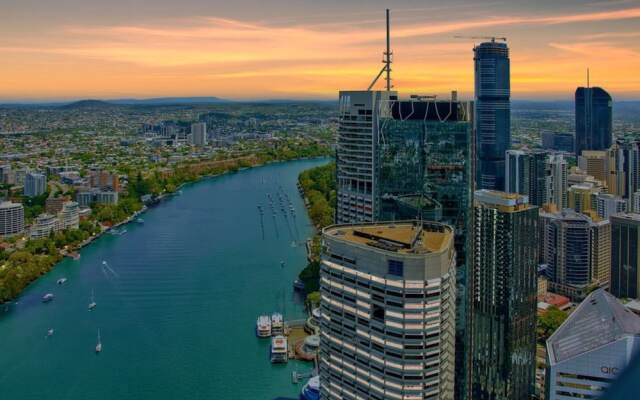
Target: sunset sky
(258, 49)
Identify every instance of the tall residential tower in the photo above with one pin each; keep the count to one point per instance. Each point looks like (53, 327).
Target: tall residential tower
(594, 123)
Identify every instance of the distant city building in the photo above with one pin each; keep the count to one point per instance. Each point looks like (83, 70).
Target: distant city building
(557, 181)
(199, 134)
(582, 198)
(493, 112)
(11, 218)
(634, 202)
(87, 197)
(625, 255)
(387, 311)
(526, 173)
(574, 248)
(591, 348)
(43, 225)
(69, 215)
(106, 197)
(594, 124)
(504, 308)
(624, 168)
(35, 184)
(608, 204)
(5, 173)
(53, 205)
(104, 180)
(594, 163)
(558, 141)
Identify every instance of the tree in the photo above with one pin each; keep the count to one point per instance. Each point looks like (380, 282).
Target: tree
(549, 321)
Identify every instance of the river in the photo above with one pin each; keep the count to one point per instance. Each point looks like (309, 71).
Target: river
(177, 300)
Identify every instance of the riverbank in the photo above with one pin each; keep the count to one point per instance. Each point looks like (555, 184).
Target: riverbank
(182, 309)
(20, 268)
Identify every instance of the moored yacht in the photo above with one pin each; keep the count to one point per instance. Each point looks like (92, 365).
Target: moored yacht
(263, 326)
(61, 281)
(279, 349)
(311, 390)
(47, 297)
(277, 324)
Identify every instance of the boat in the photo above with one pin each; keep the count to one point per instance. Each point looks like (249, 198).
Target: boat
(98, 344)
(279, 350)
(61, 281)
(92, 304)
(298, 285)
(140, 220)
(311, 390)
(47, 297)
(50, 332)
(263, 326)
(277, 324)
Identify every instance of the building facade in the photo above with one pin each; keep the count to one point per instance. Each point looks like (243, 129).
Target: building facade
(11, 219)
(358, 131)
(504, 299)
(493, 112)
(590, 349)
(526, 173)
(609, 204)
(199, 134)
(625, 257)
(594, 123)
(387, 311)
(43, 225)
(70, 215)
(35, 184)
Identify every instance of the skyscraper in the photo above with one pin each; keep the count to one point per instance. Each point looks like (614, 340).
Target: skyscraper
(625, 256)
(504, 300)
(35, 184)
(424, 170)
(594, 124)
(387, 311)
(556, 180)
(199, 133)
(525, 173)
(493, 112)
(358, 131)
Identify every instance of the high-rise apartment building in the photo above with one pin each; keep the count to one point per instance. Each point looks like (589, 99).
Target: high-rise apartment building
(557, 181)
(526, 173)
(625, 255)
(70, 215)
(582, 197)
(11, 218)
(567, 244)
(199, 133)
(493, 112)
(387, 311)
(594, 123)
(590, 349)
(504, 298)
(608, 204)
(358, 132)
(35, 184)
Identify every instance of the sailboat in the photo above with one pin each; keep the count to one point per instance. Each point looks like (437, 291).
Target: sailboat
(99, 344)
(92, 304)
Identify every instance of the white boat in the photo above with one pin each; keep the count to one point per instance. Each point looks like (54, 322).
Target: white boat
(62, 281)
(99, 343)
(311, 390)
(277, 324)
(263, 326)
(50, 332)
(47, 297)
(92, 303)
(140, 221)
(279, 349)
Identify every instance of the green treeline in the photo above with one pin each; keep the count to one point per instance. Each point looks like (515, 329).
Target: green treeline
(319, 187)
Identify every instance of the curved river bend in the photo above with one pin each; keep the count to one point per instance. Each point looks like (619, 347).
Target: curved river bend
(177, 299)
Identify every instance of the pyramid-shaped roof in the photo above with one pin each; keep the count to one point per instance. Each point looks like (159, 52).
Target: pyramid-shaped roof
(600, 319)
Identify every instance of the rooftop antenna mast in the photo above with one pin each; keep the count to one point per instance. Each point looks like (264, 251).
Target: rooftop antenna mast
(387, 60)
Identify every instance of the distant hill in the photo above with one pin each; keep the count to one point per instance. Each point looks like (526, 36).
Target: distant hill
(82, 104)
(163, 101)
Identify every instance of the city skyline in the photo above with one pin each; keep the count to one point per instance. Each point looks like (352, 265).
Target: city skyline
(308, 51)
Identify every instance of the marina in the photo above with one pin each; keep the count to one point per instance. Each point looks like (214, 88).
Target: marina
(179, 299)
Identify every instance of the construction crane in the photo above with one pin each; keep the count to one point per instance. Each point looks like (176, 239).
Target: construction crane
(493, 38)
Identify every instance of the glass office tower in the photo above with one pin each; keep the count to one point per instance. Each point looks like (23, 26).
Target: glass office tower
(424, 171)
(493, 112)
(504, 298)
(594, 123)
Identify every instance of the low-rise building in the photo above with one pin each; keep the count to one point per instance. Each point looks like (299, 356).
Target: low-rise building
(590, 349)
(43, 225)
(69, 215)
